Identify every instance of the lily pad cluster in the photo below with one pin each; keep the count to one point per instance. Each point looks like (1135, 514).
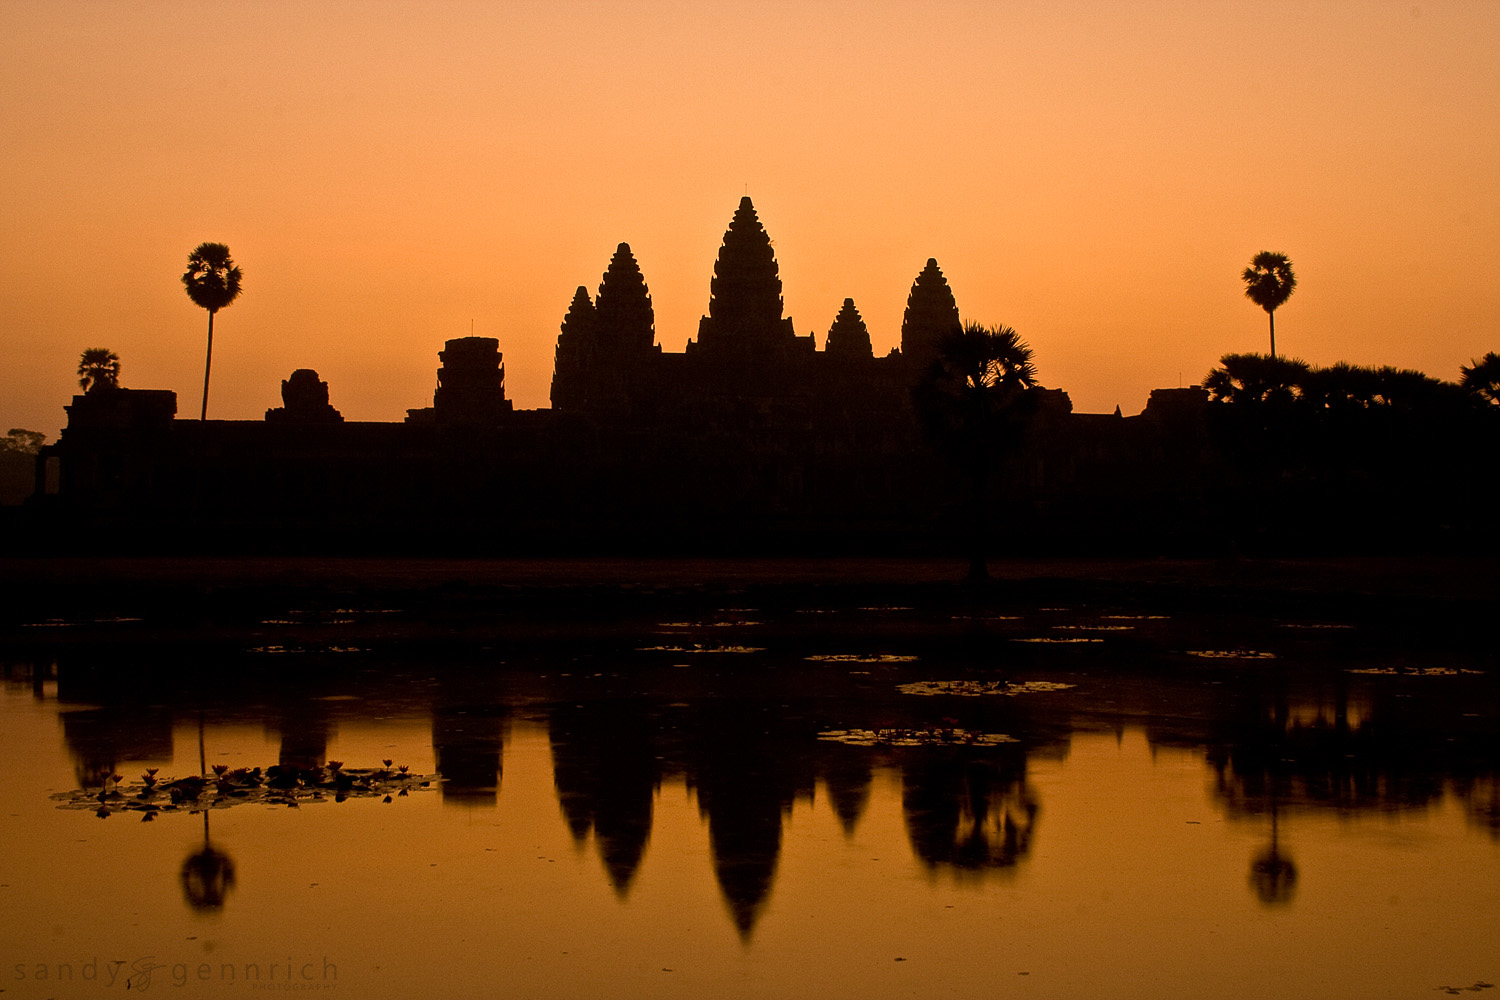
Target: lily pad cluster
(1415, 671)
(976, 689)
(699, 648)
(947, 736)
(279, 784)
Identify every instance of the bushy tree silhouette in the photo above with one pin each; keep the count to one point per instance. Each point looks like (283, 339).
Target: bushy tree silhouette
(1256, 378)
(1269, 282)
(213, 282)
(974, 401)
(98, 369)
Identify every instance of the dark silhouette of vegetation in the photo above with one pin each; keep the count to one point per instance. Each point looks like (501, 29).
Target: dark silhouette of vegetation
(1256, 379)
(20, 441)
(974, 402)
(1269, 282)
(213, 282)
(1482, 378)
(18, 451)
(1319, 443)
(98, 369)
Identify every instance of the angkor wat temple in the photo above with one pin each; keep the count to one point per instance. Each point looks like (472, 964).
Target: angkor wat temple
(752, 437)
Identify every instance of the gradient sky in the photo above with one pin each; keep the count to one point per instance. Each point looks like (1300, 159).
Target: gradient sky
(1095, 174)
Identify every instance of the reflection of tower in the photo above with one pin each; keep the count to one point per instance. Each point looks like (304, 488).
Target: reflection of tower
(207, 876)
(303, 726)
(468, 742)
(100, 738)
(606, 773)
(968, 809)
(745, 782)
(846, 775)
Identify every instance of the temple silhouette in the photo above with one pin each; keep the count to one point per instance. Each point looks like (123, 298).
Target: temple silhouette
(751, 438)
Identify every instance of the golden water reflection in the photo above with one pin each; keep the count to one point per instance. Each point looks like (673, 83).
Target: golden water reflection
(714, 845)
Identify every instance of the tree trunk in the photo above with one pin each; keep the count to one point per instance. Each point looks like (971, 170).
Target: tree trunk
(208, 363)
(1271, 314)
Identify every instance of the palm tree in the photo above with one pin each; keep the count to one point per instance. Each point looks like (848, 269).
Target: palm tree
(213, 281)
(98, 368)
(1250, 379)
(1269, 282)
(1482, 378)
(974, 401)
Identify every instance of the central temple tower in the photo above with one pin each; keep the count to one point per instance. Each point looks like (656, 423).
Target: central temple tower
(744, 307)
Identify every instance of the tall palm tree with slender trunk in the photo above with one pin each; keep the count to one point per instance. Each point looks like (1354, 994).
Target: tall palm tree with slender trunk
(1269, 282)
(212, 281)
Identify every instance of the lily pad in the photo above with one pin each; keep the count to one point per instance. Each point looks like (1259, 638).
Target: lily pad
(977, 689)
(275, 785)
(915, 737)
(1415, 671)
(862, 658)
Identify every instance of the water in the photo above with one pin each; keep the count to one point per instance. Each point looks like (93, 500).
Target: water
(861, 803)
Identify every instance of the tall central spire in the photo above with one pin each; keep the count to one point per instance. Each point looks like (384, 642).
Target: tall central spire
(745, 301)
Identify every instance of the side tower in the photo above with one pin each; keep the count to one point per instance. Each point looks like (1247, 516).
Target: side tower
(849, 338)
(931, 312)
(471, 385)
(606, 349)
(575, 347)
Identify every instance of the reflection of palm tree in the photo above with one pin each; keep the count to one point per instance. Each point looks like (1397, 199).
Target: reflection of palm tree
(1273, 876)
(213, 282)
(207, 876)
(968, 811)
(1269, 282)
(98, 368)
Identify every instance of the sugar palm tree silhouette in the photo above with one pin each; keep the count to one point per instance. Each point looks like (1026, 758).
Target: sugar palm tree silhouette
(1269, 282)
(974, 402)
(212, 281)
(1482, 378)
(98, 368)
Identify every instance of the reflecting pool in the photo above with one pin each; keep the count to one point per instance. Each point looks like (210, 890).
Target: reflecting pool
(838, 802)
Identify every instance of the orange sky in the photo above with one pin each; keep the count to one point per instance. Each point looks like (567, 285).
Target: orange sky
(1094, 174)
